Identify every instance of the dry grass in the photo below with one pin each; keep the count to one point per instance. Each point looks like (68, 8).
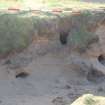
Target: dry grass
(50, 4)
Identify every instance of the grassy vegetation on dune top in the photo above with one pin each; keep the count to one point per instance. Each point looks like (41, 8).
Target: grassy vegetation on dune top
(40, 4)
(76, 4)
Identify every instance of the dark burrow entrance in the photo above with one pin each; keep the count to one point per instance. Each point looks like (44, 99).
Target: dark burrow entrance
(22, 75)
(63, 37)
(95, 75)
(101, 59)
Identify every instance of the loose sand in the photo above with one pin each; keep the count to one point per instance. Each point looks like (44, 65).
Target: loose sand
(52, 80)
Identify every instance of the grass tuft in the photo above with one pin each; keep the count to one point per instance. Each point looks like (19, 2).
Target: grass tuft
(15, 32)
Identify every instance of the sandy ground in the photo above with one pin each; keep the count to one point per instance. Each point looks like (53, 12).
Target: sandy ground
(52, 81)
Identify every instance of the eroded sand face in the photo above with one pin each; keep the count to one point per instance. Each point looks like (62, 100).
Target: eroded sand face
(56, 75)
(52, 79)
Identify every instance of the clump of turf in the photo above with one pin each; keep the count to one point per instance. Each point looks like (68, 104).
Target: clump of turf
(80, 36)
(15, 32)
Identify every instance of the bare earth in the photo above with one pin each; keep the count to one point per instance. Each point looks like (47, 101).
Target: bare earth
(52, 80)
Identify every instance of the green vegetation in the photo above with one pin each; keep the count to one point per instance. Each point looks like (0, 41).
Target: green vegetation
(80, 36)
(89, 101)
(15, 32)
(75, 4)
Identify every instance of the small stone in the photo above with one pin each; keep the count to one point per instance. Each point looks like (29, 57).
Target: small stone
(59, 101)
(67, 87)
